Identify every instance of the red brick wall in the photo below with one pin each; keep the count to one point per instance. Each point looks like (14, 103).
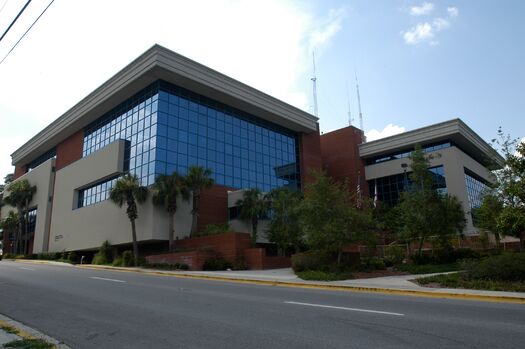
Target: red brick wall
(20, 170)
(310, 155)
(340, 156)
(213, 206)
(256, 259)
(194, 259)
(70, 150)
(228, 246)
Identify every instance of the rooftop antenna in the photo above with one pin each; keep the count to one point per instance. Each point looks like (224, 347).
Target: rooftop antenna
(349, 109)
(359, 104)
(314, 81)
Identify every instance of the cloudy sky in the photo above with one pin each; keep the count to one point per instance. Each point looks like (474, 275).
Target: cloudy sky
(418, 62)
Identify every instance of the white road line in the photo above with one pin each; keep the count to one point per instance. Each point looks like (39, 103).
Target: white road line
(343, 308)
(24, 268)
(113, 280)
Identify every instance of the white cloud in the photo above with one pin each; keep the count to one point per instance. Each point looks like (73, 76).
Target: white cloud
(266, 45)
(389, 130)
(423, 9)
(439, 24)
(328, 27)
(419, 33)
(453, 11)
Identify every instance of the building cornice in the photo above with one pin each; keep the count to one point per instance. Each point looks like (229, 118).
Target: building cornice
(159, 63)
(454, 130)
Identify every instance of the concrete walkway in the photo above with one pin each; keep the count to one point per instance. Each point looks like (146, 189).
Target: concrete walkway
(400, 284)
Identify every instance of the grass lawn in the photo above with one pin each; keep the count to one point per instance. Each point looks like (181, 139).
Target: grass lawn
(457, 281)
(427, 268)
(316, 275)
(29, 344)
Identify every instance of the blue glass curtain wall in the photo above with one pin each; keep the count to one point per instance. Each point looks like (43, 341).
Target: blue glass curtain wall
(170, 129)
(389, 188)
(476, 188)
(241, 150)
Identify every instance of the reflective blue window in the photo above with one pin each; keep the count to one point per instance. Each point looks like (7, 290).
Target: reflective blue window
(169, 129)
(218, 137)
(476, 188)
(389, 188)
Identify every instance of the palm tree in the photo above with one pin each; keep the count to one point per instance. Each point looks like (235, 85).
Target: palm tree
(253, 206)
(128, 190)
(166, 190)
(197, 179)
(10, 223)
(20, 194)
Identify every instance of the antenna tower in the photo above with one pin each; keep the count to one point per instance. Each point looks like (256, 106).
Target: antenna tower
(349, 109)
(314, 82)
(359, 104)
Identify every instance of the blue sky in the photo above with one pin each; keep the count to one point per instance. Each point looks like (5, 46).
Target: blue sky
(418, 62)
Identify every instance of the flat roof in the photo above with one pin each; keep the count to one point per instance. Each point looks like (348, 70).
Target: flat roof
(454, 130)
(160, 63)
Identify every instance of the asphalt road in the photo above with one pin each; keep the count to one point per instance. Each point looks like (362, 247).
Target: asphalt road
(106, 309)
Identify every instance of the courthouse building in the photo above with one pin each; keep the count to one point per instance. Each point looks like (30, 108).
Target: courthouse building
(164, 112)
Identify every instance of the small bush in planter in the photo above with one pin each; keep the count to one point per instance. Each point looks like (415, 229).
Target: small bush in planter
(127, 259)
(216, 264)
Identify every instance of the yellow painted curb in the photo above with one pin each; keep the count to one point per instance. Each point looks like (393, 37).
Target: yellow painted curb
(32, 261)
(388, 291)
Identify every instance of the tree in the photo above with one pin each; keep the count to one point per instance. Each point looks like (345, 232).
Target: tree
(253, 207)
(329, 217)
(10, 223)
(509, 188)
(128, 190)
(197, 179)
(423, 212)
(20, 194)
(486, 216)
(9, 178)
(166, 190)
(285, 228)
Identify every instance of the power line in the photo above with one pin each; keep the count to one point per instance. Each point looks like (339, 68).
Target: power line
(16, 18)
(36, 20)
(5, 3)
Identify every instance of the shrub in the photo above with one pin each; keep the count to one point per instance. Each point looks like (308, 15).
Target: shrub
(104, 254)
(505, 267)
(394, 255)
(373, 263)
(215, 229)
(9, 256)
(216, 264)
(46, 256)
(451, 256)
(311, 260)
(72, 257)
(117, 262)
(240, 264)
(127, 259)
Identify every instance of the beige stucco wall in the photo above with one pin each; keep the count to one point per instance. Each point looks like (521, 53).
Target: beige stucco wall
(454, 161)
(88, 227)
(43, 177)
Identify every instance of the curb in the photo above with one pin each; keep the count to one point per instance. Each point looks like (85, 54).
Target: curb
(26, 332)
(361, 289)
(32, 261)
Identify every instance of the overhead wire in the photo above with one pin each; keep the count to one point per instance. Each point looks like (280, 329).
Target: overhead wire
(5, 3)
(36, 20)
(16, 18)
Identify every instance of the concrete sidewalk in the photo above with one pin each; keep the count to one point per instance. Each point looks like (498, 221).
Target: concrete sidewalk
(399, 285)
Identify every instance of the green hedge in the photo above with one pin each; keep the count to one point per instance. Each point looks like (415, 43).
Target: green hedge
(505, 267)
(311, 260)
(216, 264)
